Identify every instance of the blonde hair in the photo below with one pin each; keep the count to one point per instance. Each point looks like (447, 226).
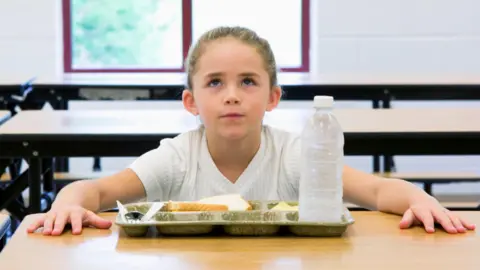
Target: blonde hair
(243, 34)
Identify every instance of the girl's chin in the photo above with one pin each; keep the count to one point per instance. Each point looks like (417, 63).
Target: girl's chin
(234, 133)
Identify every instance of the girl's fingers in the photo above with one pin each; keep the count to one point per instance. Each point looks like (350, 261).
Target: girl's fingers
(443, 219)
(457, 223)
(467, 225)
(96, 221)
(60, 221)
(407, 220)
(48, 224)
(425, 216)
(36, 224)
(76, 219)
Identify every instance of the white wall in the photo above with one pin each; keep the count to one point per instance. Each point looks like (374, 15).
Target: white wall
(30, 38)
(406, 37)
(374, 37)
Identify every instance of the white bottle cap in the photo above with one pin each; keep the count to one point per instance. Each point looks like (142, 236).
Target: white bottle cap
(323, 102)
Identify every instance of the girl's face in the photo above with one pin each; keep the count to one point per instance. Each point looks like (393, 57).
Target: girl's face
(231, 89)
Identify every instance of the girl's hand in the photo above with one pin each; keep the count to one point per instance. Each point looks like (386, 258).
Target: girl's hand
(429, 212)
(54, 221)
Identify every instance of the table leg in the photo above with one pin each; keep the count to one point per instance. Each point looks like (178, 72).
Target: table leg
(11, 196)
(387, 163)
(428, 188)
(376, 158)
(47, 169)
(61, 163)
(35, 185)
(96, 164)
(3, 242)
(4, 165)
(14, 168)
(376, 163)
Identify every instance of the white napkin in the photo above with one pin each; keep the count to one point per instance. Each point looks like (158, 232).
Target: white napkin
(122, 211)
(152, 211)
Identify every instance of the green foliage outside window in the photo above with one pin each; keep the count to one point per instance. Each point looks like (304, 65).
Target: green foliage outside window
(126, 33)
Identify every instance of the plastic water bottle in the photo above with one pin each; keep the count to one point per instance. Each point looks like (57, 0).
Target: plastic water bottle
(321, 188)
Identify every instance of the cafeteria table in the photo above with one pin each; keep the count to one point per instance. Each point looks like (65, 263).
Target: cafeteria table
(380, 90)
(38, 136)
(297, 86)
(374, 241)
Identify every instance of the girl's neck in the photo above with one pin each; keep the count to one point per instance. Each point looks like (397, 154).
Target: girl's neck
(233, 155)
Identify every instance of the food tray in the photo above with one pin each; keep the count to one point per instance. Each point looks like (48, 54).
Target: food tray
(260, 221)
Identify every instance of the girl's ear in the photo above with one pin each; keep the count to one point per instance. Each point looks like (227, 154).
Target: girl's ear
(274, 98)
(189, 102)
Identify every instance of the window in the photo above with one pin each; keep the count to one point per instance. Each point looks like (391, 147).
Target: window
(154, 35)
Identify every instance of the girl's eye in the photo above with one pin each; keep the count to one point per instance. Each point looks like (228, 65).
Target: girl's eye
(248, 81)
(214, 83)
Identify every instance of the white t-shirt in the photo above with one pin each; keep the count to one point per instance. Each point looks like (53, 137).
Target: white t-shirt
(181, 168)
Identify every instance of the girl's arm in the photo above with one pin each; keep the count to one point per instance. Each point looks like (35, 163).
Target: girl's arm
(399, 197)
(383, 194)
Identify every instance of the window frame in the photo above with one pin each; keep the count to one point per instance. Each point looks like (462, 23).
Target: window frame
(187, 38)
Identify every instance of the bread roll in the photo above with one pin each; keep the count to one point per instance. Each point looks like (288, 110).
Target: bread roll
(194, 207)
(230, 202)
(234, 202)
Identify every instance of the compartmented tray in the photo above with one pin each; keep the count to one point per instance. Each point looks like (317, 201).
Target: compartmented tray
(260, 221)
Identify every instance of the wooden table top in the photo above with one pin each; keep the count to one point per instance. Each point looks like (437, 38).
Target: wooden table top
(4, 116)
(174, 120)
(4, 224)
(374, 241)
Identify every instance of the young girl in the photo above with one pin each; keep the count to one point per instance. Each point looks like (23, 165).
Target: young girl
(232, 82)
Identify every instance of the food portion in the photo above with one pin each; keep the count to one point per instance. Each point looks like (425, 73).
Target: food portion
(231, 202)
(283, 206)
(234, 202)
(193, 207)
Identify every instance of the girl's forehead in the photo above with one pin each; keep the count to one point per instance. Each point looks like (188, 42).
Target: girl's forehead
(229, 54)
(229, 48)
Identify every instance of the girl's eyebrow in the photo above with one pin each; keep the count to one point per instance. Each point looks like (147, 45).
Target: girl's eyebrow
(214, 74)
(249, 74)
(243, 74)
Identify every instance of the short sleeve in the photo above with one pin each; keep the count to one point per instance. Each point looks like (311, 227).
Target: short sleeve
(159, 169)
